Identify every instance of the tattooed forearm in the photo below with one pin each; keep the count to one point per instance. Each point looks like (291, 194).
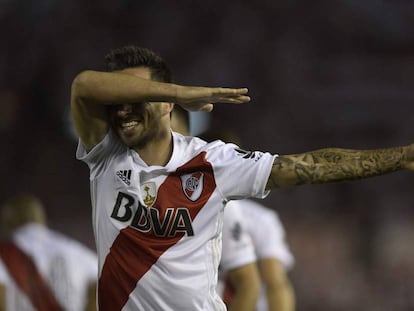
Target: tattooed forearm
(332, 164)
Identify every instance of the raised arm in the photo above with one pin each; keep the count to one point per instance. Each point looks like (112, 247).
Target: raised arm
(93, 90)
(335, 164)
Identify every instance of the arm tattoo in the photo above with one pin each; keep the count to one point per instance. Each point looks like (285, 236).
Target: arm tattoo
(333, 164)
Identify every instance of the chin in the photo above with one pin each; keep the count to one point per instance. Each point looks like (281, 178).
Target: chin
(133, 143)
(126, 140)
(129, 142)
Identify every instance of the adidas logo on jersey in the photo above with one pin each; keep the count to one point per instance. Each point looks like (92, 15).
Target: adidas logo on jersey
(249, 154)
(125, 176)
(245, 154)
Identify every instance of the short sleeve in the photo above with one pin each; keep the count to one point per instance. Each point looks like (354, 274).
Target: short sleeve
(96, 158)
(239, 173)
(269, 238)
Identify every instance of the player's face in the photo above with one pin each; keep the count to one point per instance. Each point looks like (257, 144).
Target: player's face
(139, 123)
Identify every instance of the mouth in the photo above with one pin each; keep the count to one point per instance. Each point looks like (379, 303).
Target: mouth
(128, 126)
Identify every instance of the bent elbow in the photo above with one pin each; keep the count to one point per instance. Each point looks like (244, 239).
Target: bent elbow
(80, 83)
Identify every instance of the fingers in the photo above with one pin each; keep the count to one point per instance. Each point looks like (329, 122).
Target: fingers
(230, 92)
(236, 96)
(239, 99)
(241, 91)
(203, 98)
(242, 99)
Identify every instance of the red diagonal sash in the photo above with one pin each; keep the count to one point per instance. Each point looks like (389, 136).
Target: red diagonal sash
(133, 253)
(27, 277)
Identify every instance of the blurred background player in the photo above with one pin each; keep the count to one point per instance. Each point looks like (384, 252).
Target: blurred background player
(2, 296)
(41, 269)
(249, 227)
(239, 279)
(238, 260)
(274, 258)
(264, 227)
(272, 254)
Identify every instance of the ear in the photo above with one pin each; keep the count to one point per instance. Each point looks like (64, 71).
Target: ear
(168, 107)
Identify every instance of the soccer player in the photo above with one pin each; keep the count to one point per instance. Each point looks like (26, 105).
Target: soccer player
(41, 269)
(239, 279)
(274, 258)
(157, 197)
(238, 262)
(267, 234)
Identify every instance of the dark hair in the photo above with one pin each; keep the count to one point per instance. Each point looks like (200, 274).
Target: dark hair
(134, 56)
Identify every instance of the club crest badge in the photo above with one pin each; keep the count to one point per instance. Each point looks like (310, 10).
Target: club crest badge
(192, 185)
(149, 193)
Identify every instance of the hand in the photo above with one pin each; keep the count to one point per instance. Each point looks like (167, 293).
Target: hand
(203, 98)
(409, 157)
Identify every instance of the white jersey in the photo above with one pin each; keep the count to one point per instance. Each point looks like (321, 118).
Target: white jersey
(158, 228)
(268, 237)
(267, 232)
(67, 267)
(237, 245)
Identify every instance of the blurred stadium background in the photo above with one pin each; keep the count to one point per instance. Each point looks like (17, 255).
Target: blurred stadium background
(321, 73)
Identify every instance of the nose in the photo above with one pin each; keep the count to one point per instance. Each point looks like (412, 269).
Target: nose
(124, 109)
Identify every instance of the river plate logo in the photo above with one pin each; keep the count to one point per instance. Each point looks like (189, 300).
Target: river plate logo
(192, 185)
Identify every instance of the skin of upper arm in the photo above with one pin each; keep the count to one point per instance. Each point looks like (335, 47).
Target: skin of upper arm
(2, 297)
(91, 298)
(271, 271)
(246, 281)
(279, 291)
(90, 119)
